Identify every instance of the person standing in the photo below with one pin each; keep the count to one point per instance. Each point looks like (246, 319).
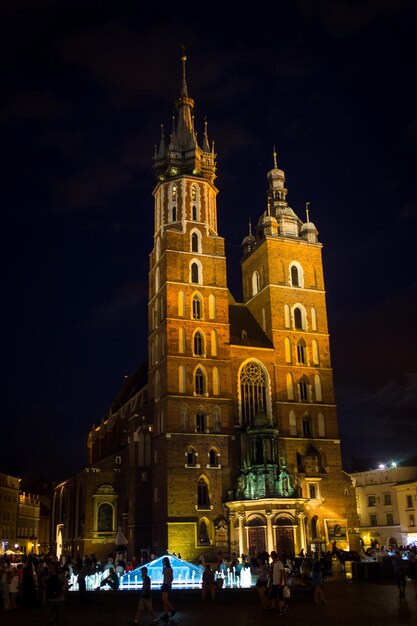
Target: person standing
(208, 584)
(168, 577)
(278, 583)
(145, 601)
(399, 568)
(262, 571)
(412, 569)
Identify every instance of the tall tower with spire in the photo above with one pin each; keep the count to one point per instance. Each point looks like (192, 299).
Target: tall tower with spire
(189, 378)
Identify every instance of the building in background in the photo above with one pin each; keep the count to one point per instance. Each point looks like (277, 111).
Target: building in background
(386, 504)
(9, 499)
(227, 438)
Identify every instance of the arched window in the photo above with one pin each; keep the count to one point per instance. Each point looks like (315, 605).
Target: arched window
(313, 318)
(315, 352)
(203, 499)
(314, 527)
(298, 319)
(290, 386)
(287, 345)
(194, 213)
(287, 318)
(216, 381)
(212, 307)
(302, 352)
(293, 424)
(200, 421)
(182, 386)
(317, 386)
(203, 532)
(214, 344)
(197, 307)
(255, 283)
(181, 304)
(181, 340)
(193, 193)
(174, 193)
(213, 458)
(312, 491)
(196, 241)
(196, 272)
(191, 457)
(303, 389)
(198, 343)
(105, 518)
(321, 425)
(217, 420)
(294, 276)
(252, 390)
(200, 382)
(174, 214)
(307, 430)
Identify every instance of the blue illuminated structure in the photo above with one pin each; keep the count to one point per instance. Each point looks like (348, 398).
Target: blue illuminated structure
(186, 575)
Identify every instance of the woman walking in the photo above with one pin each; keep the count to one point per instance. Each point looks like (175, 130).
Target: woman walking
(168, 577)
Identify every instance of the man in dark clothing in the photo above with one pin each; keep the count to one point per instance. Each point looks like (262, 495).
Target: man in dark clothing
(399, 569)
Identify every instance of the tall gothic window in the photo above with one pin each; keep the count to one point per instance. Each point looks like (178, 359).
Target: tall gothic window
(200, 381)
(198, 344)
(298, 319)
(303, 389)
(203, 499)
(195, 242)
(302, 352)
(252, 390)
(195, 273)
(105, 518)
(197, 308)
(295, 281)
(200, 422)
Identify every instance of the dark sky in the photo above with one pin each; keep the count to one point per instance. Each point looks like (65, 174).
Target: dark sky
(85, 87)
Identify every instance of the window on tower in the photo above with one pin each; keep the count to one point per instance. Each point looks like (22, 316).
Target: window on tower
(213, 458)
(191, 457)
(195, 243)
(195, 272)
(174, 214)
(200, 422)
(203, 499)
(198, 344)
(307, 430)
(197, 309)
(194, 213)
(294, 276)
(256, 283)
(252, 390)
(298, 319)
(199, 382)
(302, 352)
(174, 193)
(303, 389)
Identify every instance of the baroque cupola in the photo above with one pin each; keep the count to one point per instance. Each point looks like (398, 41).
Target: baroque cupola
(182, 155)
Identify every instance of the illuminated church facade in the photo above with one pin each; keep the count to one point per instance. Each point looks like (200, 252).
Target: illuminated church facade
(227, 438)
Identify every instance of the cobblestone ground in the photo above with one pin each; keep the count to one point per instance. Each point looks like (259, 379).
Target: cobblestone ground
(349, 602)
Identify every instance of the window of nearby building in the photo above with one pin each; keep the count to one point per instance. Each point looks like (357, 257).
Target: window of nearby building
(203, 499)
(390, 519)
(374, 520)
(371, 500)
(313, 491)
(105, 518)
(411, 520)
(203, 532)
(409, 502)
(200, 422)
(387, 499)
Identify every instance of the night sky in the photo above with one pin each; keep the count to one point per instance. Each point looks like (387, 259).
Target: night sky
(85, 87)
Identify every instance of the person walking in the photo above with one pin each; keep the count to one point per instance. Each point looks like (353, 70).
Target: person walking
(262, 572)
(168, 577)
(208, 584)
(317, 579)
(145, 599)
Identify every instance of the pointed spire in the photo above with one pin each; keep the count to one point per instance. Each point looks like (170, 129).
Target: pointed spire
(250, 228)
(184, 90)
(308, 211)
(275, 158)
(206, 143)
(162, 142)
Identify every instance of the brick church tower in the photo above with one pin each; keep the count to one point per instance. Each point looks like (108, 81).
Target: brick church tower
(227, 438)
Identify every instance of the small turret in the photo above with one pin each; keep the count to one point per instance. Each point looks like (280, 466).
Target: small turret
(249, 241)
(308, 231)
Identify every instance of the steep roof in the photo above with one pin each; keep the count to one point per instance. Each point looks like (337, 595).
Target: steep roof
(245, 330)
(132, 385)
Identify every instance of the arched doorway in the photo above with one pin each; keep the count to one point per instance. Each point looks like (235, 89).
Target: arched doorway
(256, 536)
(285, 535)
